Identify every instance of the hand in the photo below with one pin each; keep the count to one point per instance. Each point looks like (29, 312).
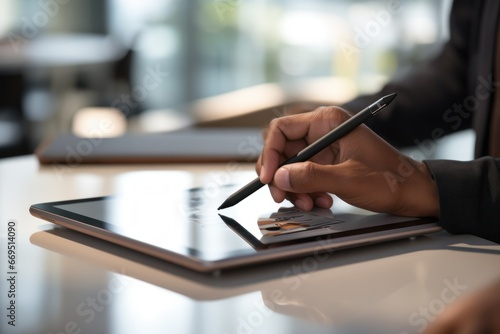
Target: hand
(361, 168)
(478, 313)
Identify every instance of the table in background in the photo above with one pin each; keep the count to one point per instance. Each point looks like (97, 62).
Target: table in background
(49, 77)
(68, 282)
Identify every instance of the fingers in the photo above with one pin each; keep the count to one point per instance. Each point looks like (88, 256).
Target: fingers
(303, 201)
(307, 177)
(295, 183)
(280, 131)
(360, 168)
(285, 137)
(307, 201)
(288, 135)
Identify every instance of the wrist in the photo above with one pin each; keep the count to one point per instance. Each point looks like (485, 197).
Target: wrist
(429, 194)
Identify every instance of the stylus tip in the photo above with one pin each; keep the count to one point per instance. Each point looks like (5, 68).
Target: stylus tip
(224, 205)
(389, 98)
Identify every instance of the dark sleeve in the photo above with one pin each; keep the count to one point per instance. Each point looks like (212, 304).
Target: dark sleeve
(469, 196)
(427, 92)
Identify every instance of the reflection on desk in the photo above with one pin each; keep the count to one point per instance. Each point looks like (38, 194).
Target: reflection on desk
(66, 279)
(333, 290)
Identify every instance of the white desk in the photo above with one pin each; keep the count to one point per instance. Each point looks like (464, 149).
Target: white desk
(70, 283)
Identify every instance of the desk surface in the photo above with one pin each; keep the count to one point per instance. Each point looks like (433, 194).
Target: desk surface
(70, 283)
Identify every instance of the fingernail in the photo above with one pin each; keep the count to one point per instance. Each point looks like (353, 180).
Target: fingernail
(274, 193)
(282, 179)
(262, 173)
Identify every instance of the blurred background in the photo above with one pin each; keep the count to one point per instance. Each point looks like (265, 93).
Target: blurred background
(165, 64)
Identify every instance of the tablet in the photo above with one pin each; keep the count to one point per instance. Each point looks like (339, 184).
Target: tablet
(185, 227)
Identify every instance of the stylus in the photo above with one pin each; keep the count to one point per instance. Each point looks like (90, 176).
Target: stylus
(316, 147)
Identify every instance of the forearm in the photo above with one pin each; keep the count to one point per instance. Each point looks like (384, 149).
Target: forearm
(469, 196)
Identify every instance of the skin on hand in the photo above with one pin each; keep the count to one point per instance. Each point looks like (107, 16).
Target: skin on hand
(361, 168)
(478, 313)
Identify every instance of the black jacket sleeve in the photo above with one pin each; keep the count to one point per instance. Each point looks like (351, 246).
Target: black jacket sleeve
(469, 196)
(428, 92)
(469, 192)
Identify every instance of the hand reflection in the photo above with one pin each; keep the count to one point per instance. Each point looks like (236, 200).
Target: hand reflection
(358, 298)
(477, 313)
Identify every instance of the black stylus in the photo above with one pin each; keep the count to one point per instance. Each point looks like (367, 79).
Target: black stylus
(316, 147)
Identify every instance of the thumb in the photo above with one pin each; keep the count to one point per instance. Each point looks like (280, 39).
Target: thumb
(306, 177)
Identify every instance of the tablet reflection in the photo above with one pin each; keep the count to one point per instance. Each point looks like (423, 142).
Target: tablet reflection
(348, 288)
